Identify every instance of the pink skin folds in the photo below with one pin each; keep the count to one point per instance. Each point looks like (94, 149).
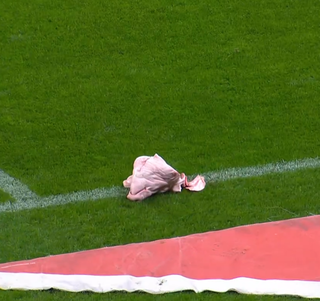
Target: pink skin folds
(153, 175)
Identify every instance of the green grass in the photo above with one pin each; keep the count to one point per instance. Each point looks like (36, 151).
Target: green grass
(86, 87)
(4, 197)
(54, 295)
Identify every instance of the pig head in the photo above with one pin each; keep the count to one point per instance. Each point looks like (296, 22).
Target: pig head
(153, 175)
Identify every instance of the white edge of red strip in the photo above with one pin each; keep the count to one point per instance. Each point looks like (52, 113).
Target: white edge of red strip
(154, 285)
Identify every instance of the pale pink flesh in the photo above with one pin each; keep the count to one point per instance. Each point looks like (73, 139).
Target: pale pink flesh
(153, 175)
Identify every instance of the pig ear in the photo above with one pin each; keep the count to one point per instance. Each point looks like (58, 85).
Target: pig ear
(127, 182)
(197, 184)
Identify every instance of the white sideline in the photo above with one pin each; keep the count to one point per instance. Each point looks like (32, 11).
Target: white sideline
(27, 199)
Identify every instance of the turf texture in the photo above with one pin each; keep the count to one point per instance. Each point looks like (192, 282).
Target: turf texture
(86, 87)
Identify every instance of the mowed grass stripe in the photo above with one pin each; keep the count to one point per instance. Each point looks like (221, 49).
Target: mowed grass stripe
(26, 199)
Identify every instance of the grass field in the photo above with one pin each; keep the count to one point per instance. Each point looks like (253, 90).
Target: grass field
(4, 197)
(86, 87)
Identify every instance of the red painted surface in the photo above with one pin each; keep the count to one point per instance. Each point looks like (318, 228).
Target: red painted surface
(287, 250)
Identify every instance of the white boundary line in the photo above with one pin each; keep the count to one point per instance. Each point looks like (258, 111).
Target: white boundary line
(26, 199)
(157, 285)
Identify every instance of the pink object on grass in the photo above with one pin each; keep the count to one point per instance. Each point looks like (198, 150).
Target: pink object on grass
(153, 175)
